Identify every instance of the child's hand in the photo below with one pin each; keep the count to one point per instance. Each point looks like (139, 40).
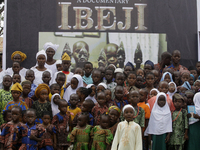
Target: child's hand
(196, 116)
(167, 138)
(186, 137)
(189, 115)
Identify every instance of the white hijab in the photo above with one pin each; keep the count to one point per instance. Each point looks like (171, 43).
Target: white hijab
(196, 101)
(54, 107)
(69, 90)
(160, 121)
(42, 52)
(171, 94)
(50, 45)
(91, 97)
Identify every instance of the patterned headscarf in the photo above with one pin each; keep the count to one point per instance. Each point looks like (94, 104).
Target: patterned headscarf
(115, 108)
(23, 56)
(40, 88)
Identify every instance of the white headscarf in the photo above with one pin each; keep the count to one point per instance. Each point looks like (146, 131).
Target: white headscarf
(154, 89)
(102, 84)
(171, 94)
(58, 62)
(91, 97)
(50, 45)
(54, 107)
(160, 121)
(196, 101)
(42, 52)
(128, 106)
(70, 91)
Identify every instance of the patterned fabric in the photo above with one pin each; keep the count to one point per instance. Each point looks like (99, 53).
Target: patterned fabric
(88, 80)
(101, 138)
(73, 112)
(75, 120)
(11, 104)
(111, 85)
(113, 129)
(28, 101)
(9, 136)
(5, 97)
(27, 143)
(180, 68)
(81, 138)
(61, 128)
(41, 107)
(97, 111)
(115, 108)
(179, 126)
(32, 92)
(121, 104)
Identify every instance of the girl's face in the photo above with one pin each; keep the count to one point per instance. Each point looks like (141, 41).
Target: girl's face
(55, 89)
(153, 93)
(96, 77)
(119, 93)
(140, 72)
(30, 117)
(127, 69)
(134, 98)
(109, 75)
(63, 107)
(15, 94)
(167, 78)
(171, 88)
(56, 99)
(41, 59)
(131, 79)
(197, 86)
(100, 88)
(150, 79)
(178, 103)
(16, 67)
(104, 122)
(185, 77)
(129, 114)
(74, 83)
(114, 116)
(194, 72)
(191, 81)
(78, 93)
(101, 99)
(108, 95)
(190, 99)
(81, 121)
(43, 95)
(46, 119)
(139, 81)
(119, 80)
(93, 91)
(15, 114)
(161, 101)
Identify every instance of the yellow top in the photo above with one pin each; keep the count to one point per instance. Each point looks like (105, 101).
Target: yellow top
(73, 112)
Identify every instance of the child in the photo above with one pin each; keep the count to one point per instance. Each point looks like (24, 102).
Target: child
(93, 93)
(139, 82)
(24, 116)
(54, 88)
(109, 101)
(167, 76)
(186, 86)
(9, 138)
(87, 78)
(128, 135)
(120, 78)
(100, 107)
(189, 94)
(177, 78)
(101, 87)
(7, 117)
(61, 121)
(59, 65)
(191, 79)
(16, 78)
(16, 91)
(153, 92)
(150, 79)
(82, 93)
(129, 67)
(131, 79)
(148, 66)
(42, 104)
(46, 77)
(60, 80)
(157, 77)
(31, 76)
(76, 82)
(172, 89)
(118, 101)
(179, 124)
(80, 136)
(96, 76)
(31, 133)
(79, 71)
(140, 72)
(109, 74)
(54, 103)
(193, 71)
(160, 123)
(5, 95)
(26, 85)
(185, 76)
(197, 85)
(101, 135)
(103, 70)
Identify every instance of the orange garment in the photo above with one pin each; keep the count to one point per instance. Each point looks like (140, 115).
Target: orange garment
(152, 100)
(146, 109)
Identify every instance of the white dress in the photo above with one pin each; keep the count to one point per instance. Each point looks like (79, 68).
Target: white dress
(68, 77)
(22, 72)
(52, 67)
(127, 137)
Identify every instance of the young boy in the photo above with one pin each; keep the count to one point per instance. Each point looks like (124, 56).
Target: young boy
(16, 91)
(96, 77)
(46, 77)
(30, 75)
(109, 101)
(109, 74)
(16, 78)
(7, 117)
(5, 95)
(118, 101)
(120, 78)
(79, 71)
(87, 78)
(60, 80)
(54, 88)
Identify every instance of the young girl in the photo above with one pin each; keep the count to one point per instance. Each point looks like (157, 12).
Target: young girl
(101, 135)
(7, 117)
(167, 76)
(160, 123)
(131, 79)
(118, 101)
(153, 92)
(61, 122)
(150, 78)
(42, 104)
(128, 135)
(82, 93)
(54, 103)
(172, 89)
(93, 93)
(101, 87)
(179, 124)
(109, 101)
(100, 107)
(76, 82)
(80, 136)
(185, 75)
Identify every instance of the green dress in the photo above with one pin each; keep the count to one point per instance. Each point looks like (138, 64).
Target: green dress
(101, 138)
(158, 142)
(81, 138)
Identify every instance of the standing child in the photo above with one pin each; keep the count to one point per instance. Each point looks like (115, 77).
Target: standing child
(160, 123)
(109, 74)
(30, 75)
(167, 76)
(153, 92)
(54, 103)
(118, 101)
(54, 88)
(150, 79)
(120, 78)
(59, 65)
(101, 135)
(82, 93)
(96, 76)
(129, 67)
(80, 136)
(60, 80)
(179, 124)
(109, 101)
(172, 89)
(7, 117)
(87, 78)
(99, 108)
(131, 79)
(46, 77)
(93, 93)
(61, 122)
(128, 135)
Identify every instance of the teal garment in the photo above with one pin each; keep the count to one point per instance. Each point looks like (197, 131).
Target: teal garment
(158, 142)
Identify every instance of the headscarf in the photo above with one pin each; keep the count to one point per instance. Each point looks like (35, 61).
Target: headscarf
(58, 62)
(50, 45)
(89, 86)
(149, 62)
(160, 121)
(196, 101)
(91, 97)
(191, 75)
(186, 85)
(54, 107)
(118, 70)
(196, 81)
(171, 94)
(164, 74)
(128, 106)
(130, 64)
(115, 108)
(23, 56)
(65, 56)
(154, 89)
(69, 91)
(16, 87)
(40, 88)
(42, 52)
(103, 84)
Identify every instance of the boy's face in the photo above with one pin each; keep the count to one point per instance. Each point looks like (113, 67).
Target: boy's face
(109, 75)
(26, 88)
(7, 81)
(127, 69)
(66, 64)
(46, 119)
(140, 72)
(30, 76)
(59, 67)
(119, 79)
(60, 80)
(197, 86)
(30, 117)
(46, 77)
(129, 114)
(103, 70)
(108, 95)
(85, 107)
(131, 79)
(88, 69)
(74, 100)
(185, 77)
(163, 87)
(139, 81)
(119, 93)
(55, 89)
(79, 71)
(82, 121)
(143, 95)
(147, 68)
(16, 78)
(63, 107)
(16, 67)
(161, 101)
(104, 122)
(176, 57)
(178, 103)
(190, 98)
(101, 99)
(8, 117)
(15, 94)
(134, 98)
(156, 75)
(96, 77)
(43, 95)
(194, 72)
(15, 114)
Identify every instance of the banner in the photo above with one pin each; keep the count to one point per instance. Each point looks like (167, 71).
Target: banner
(136, 30)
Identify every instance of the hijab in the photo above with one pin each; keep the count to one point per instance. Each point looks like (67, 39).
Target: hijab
(50, 45)
(196, 101)
(54, 107)
(91, 97)
(171, 94)
(164, 74)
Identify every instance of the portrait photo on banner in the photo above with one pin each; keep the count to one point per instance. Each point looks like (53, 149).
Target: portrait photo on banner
(104, 48)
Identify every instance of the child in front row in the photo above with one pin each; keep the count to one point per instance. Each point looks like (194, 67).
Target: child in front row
(7, 117)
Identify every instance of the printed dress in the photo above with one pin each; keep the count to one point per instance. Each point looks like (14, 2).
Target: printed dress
(97, 111)
(101, 138)
(81, 138)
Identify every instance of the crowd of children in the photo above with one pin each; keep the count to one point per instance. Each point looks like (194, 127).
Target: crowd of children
(48, 107)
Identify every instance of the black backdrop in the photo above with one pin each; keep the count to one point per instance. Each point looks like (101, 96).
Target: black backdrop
(26, 18)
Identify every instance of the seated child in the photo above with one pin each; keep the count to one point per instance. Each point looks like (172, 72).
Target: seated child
(60, 80)
(96, 76)
(61, 122)
(54, 88)
(153, 92)
(26, 85)
(46, 77)
(101, 136)
(42, 104)
(101, 87)
(109, 101)
(87, 78)
(16, 91)
(7, 117)
(92, 94)
(31, 133)
(82, 93)
(118, 101)
(30, 75)
(172, 89)
(131, 79)
(59, 65)
(54, 103)
(80, 135)
(99, 108)
(9, 134)
(128, 135)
